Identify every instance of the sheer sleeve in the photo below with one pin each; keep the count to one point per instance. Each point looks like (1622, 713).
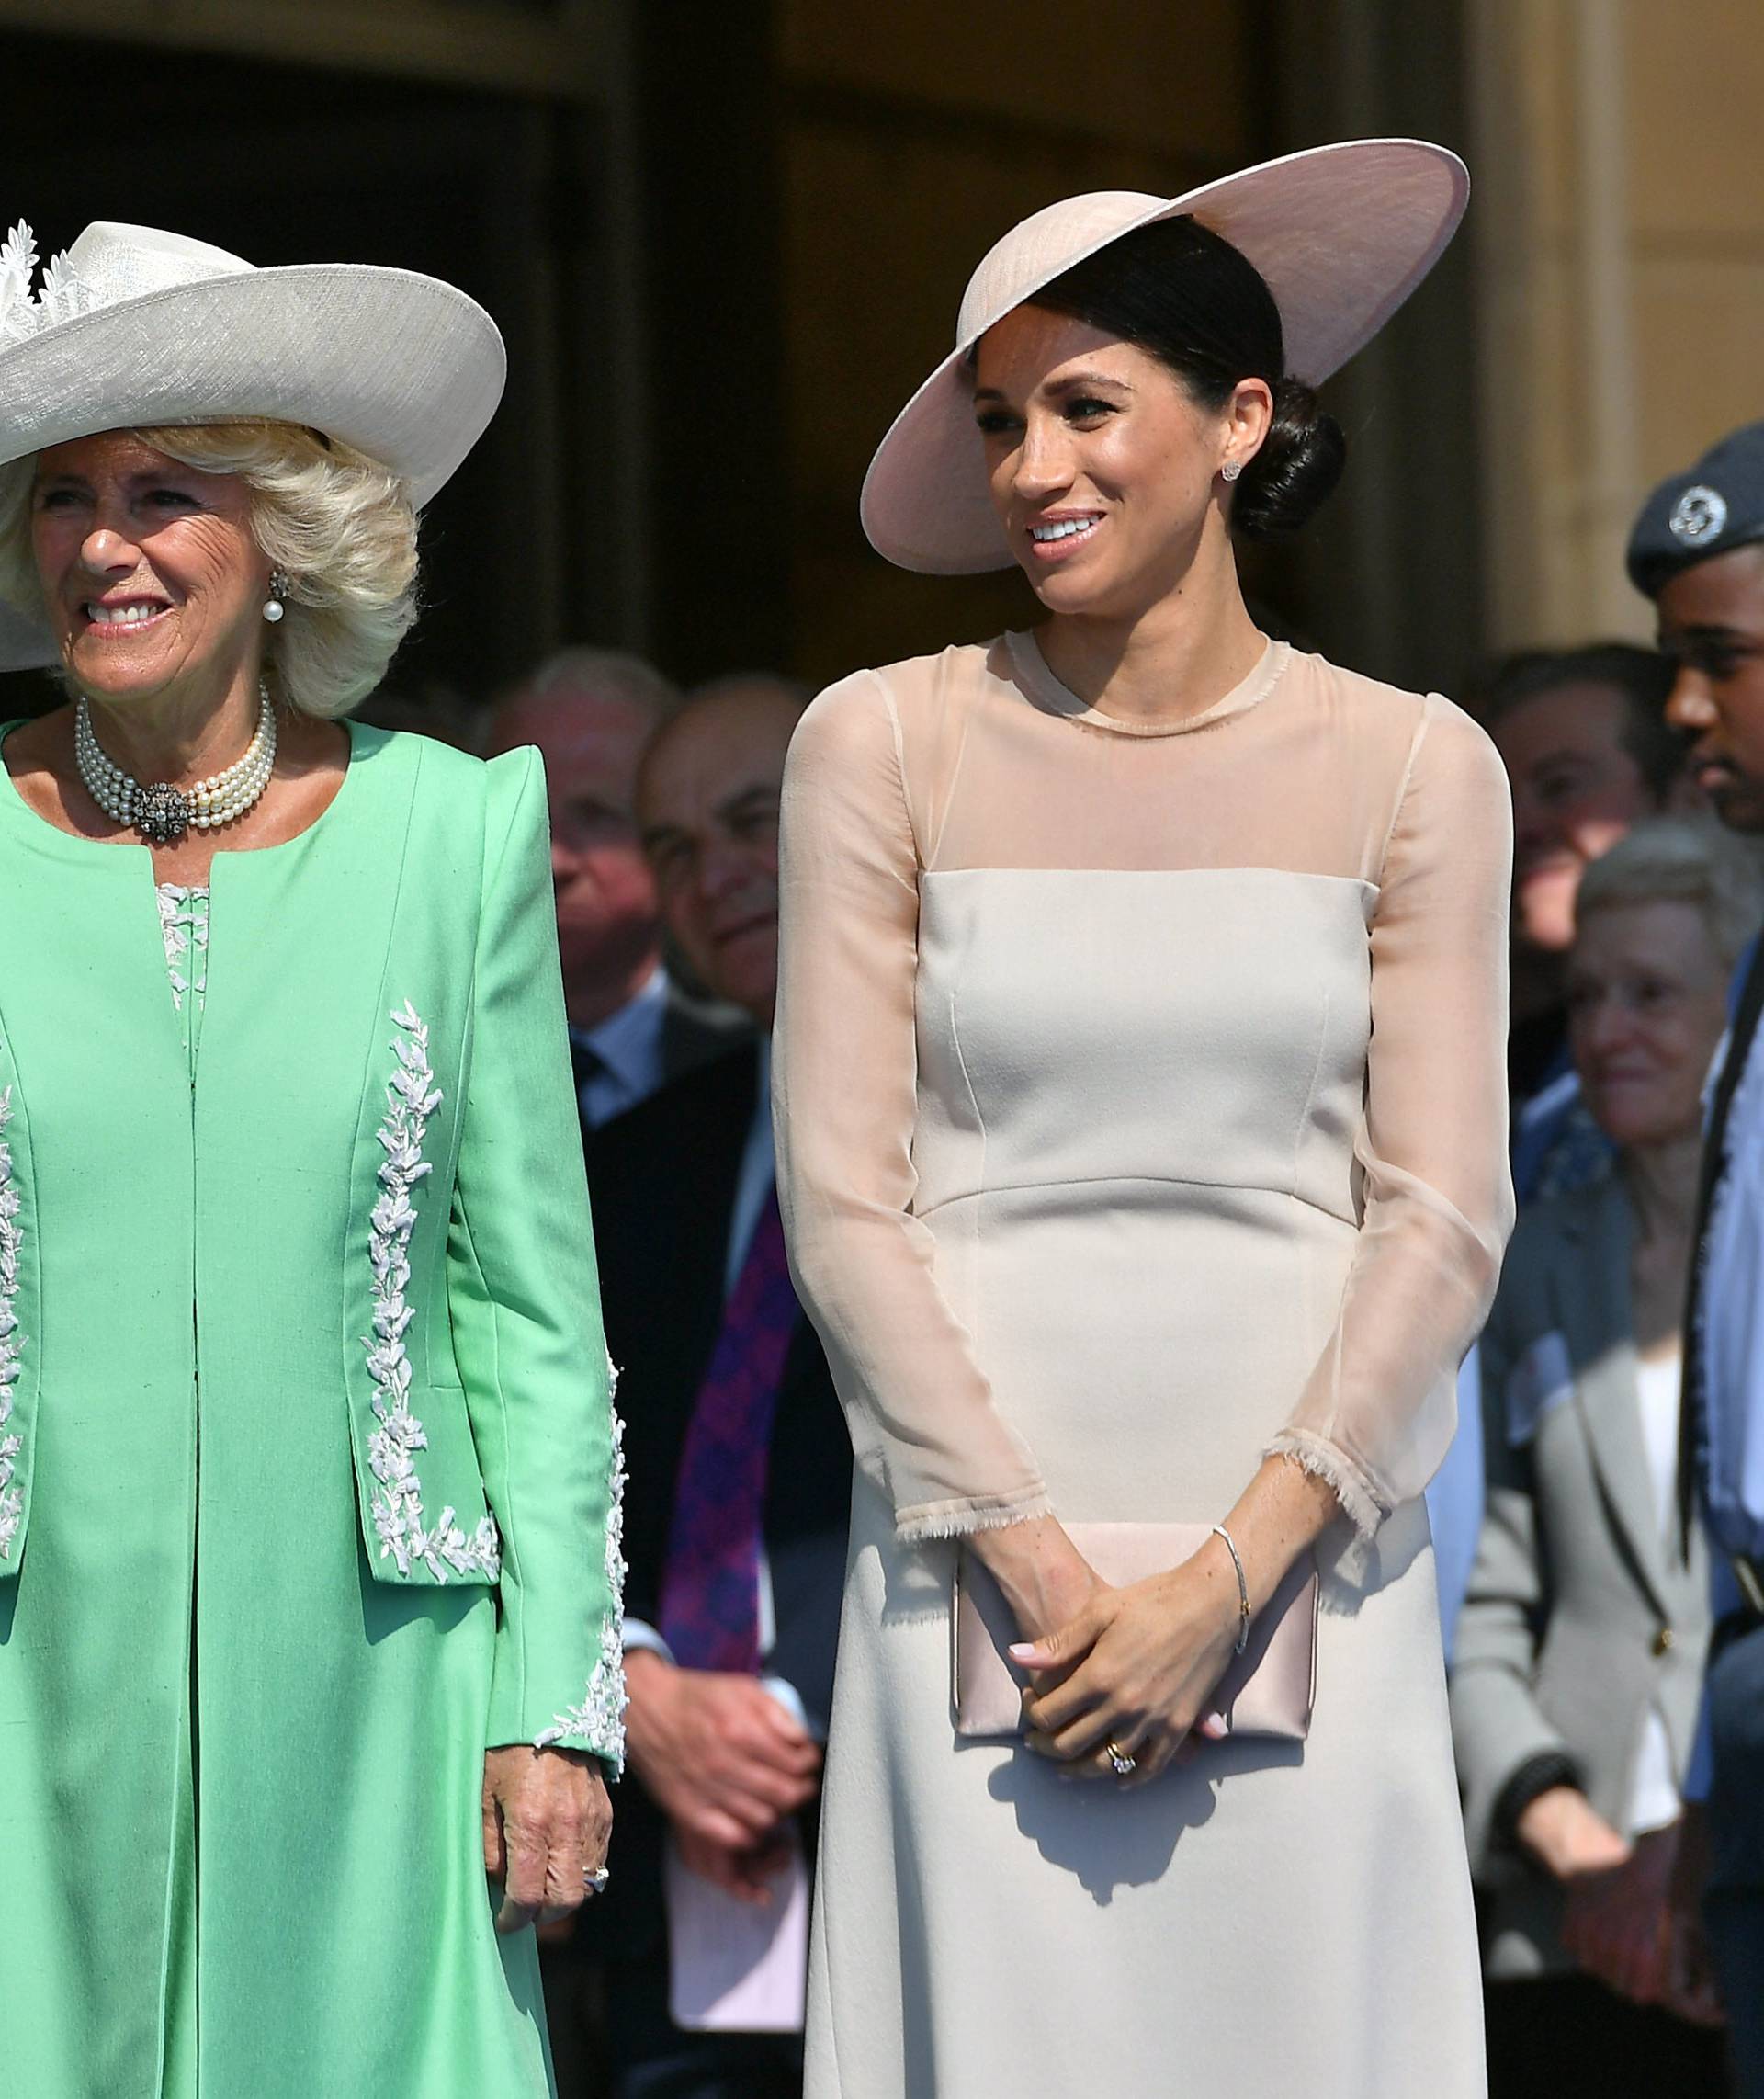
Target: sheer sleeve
(922, 1418)
(1378, 1410)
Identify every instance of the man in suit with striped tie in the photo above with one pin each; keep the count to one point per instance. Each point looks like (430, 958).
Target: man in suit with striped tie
(740, 1465)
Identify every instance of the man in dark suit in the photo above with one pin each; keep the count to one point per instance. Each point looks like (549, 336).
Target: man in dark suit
(740, 1465)
(632, 1028)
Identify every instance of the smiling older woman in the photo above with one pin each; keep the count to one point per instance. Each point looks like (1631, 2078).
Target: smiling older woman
(1141, 1114)
(309, 1539)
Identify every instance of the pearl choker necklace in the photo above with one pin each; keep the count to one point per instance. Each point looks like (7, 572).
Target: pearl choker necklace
(163, 814)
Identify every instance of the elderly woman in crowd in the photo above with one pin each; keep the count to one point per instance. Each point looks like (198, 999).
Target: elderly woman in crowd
(308, 1473)
(1582, 1645)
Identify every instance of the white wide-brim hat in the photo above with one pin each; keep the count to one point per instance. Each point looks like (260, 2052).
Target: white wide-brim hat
(1340, 234)
(134, 327)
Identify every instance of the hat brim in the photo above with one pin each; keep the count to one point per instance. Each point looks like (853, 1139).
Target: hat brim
(1341, 234)
(401, 367)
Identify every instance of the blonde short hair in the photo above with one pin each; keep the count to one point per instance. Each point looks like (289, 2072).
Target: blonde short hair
(337, 523)
(1682, 860)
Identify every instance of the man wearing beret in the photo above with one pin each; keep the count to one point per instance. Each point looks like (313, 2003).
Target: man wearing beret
(1698, 550)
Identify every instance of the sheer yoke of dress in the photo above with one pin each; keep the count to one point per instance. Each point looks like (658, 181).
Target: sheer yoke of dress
(1047, 971)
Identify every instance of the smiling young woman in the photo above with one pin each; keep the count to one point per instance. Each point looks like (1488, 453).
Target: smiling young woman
(1141, 1115)
(1136, 419)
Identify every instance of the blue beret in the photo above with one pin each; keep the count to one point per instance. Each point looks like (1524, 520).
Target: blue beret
(1711, 508)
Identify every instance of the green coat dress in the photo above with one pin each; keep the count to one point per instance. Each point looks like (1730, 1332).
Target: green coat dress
(307, 1468)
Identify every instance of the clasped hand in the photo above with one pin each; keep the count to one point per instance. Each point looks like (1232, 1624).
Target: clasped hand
(726, 1764)
(1134, 1672)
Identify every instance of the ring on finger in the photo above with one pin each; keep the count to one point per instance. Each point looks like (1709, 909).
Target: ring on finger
(1122, 1761)
(595, 1879)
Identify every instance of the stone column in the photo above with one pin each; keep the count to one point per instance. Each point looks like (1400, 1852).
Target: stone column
(1619, 232)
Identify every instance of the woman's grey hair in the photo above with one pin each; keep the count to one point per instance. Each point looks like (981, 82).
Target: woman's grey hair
(339, 526)
(1682, 860)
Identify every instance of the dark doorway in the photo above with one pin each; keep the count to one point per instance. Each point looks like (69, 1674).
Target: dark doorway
(283, 163)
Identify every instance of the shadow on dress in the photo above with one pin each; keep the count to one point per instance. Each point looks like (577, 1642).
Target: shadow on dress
(1109, 1840)
(1134, 1845)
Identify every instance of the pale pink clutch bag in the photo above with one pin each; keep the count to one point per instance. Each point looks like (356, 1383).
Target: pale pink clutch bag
(1267, 1689)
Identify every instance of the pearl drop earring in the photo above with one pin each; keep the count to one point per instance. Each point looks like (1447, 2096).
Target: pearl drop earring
(278, 589)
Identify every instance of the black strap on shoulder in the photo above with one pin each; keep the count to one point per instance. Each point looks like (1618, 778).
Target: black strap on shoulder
(1739, 1048)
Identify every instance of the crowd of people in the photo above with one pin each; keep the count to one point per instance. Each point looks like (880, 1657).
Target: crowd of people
(1579, 1602)
(1607, 1740)
(1176, 1232)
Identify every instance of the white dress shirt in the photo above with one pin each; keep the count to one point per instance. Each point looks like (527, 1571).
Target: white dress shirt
(1653, 1788)
(628, 1044)
(754, 1178)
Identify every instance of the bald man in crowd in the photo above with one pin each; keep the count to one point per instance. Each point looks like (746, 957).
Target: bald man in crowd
(731, 1679)
(592, 713)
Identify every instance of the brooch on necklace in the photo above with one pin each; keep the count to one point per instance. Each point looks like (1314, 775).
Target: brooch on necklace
(163, 814)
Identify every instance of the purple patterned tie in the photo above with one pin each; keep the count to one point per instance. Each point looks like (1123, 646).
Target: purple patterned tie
(711, 1588)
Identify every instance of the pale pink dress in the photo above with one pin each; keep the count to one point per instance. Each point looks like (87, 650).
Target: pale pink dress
(1141, 1109)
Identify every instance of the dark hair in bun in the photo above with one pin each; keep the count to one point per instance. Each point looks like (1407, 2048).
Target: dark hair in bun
(1191, 299)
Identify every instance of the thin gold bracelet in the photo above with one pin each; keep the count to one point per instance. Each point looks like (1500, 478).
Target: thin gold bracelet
(1243, 1589)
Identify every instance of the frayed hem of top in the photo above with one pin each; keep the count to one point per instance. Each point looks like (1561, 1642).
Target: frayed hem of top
(1325, 1461)
(962, 1519)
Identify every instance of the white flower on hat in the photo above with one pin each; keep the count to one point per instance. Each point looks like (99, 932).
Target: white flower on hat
(62, 294)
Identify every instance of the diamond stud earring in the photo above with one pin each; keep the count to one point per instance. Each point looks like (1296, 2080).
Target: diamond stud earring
(278, 589)
(1230, 469)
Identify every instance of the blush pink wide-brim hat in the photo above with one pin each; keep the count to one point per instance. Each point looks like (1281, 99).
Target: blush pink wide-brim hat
(1341, 234)
(134, 327)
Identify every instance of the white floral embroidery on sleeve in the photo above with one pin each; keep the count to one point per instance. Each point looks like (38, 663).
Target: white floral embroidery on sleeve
(598, 1724)
(411, 1098)
(11, 1340)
